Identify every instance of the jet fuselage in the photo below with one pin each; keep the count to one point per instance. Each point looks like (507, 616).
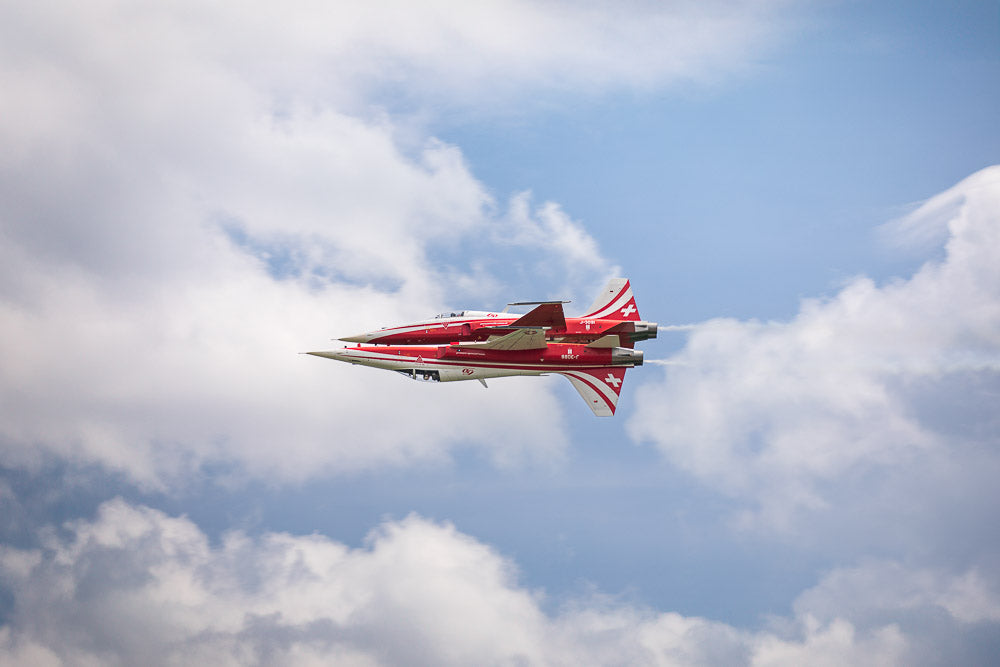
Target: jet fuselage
(480, 326)
(458, 362)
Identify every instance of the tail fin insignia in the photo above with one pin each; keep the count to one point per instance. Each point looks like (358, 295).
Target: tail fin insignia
(615, 302)
(599, 388)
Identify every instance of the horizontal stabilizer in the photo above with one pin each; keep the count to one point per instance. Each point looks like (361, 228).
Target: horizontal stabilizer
(545, 315)
(519, 339)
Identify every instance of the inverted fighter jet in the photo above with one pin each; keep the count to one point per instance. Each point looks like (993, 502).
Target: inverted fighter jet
(592, 352)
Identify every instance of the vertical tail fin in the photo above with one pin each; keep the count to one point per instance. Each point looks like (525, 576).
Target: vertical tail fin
(615, 302)
(598, 387)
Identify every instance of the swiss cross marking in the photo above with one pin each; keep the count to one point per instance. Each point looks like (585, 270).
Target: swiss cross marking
(612, 380)
(628, 310)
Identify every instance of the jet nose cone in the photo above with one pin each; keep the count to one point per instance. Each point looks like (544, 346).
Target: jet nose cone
(360, 338)
(331, 354)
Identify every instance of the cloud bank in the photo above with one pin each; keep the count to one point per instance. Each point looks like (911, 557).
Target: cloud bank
(137, 586)
(876, 379)
(190, 194)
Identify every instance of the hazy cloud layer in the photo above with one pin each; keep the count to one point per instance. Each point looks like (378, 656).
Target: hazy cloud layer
(137, 586)
(875, 380)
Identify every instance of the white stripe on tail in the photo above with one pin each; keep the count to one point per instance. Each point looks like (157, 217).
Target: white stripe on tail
(615, 302)
(599, 387)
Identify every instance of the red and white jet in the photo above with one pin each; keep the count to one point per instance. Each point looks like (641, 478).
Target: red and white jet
(592, 351)
(613, 312)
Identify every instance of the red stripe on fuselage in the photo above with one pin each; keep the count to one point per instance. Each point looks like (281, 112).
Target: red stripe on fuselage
(550, 359)
(561, 354)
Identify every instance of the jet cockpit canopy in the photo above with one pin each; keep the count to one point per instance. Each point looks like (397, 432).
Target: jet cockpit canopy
(465, 313)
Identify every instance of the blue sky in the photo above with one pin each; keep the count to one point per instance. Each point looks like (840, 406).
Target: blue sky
(190, 196)
(857, 112)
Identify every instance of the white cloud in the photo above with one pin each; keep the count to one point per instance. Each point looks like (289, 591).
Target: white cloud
(153, 343)
(189, 194)
(481, 52)
(149, 60)
(137, 586)
(868, 592)
(772, 412)
(208, 372)
(549, 227)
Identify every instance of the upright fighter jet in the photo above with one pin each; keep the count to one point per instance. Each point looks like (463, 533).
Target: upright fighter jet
(613, 312)
(592, 352)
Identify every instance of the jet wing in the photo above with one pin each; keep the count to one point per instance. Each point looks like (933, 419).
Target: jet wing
(544, 315)
(598, 387)
(519, 339)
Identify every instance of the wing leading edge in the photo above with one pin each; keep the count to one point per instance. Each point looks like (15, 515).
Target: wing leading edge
(599, 388)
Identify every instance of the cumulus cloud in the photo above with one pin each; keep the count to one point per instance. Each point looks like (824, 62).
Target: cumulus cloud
(870, 591)
(878, 377)
(550, 228)
(163, 334)
(189, 194)
(137, 586)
